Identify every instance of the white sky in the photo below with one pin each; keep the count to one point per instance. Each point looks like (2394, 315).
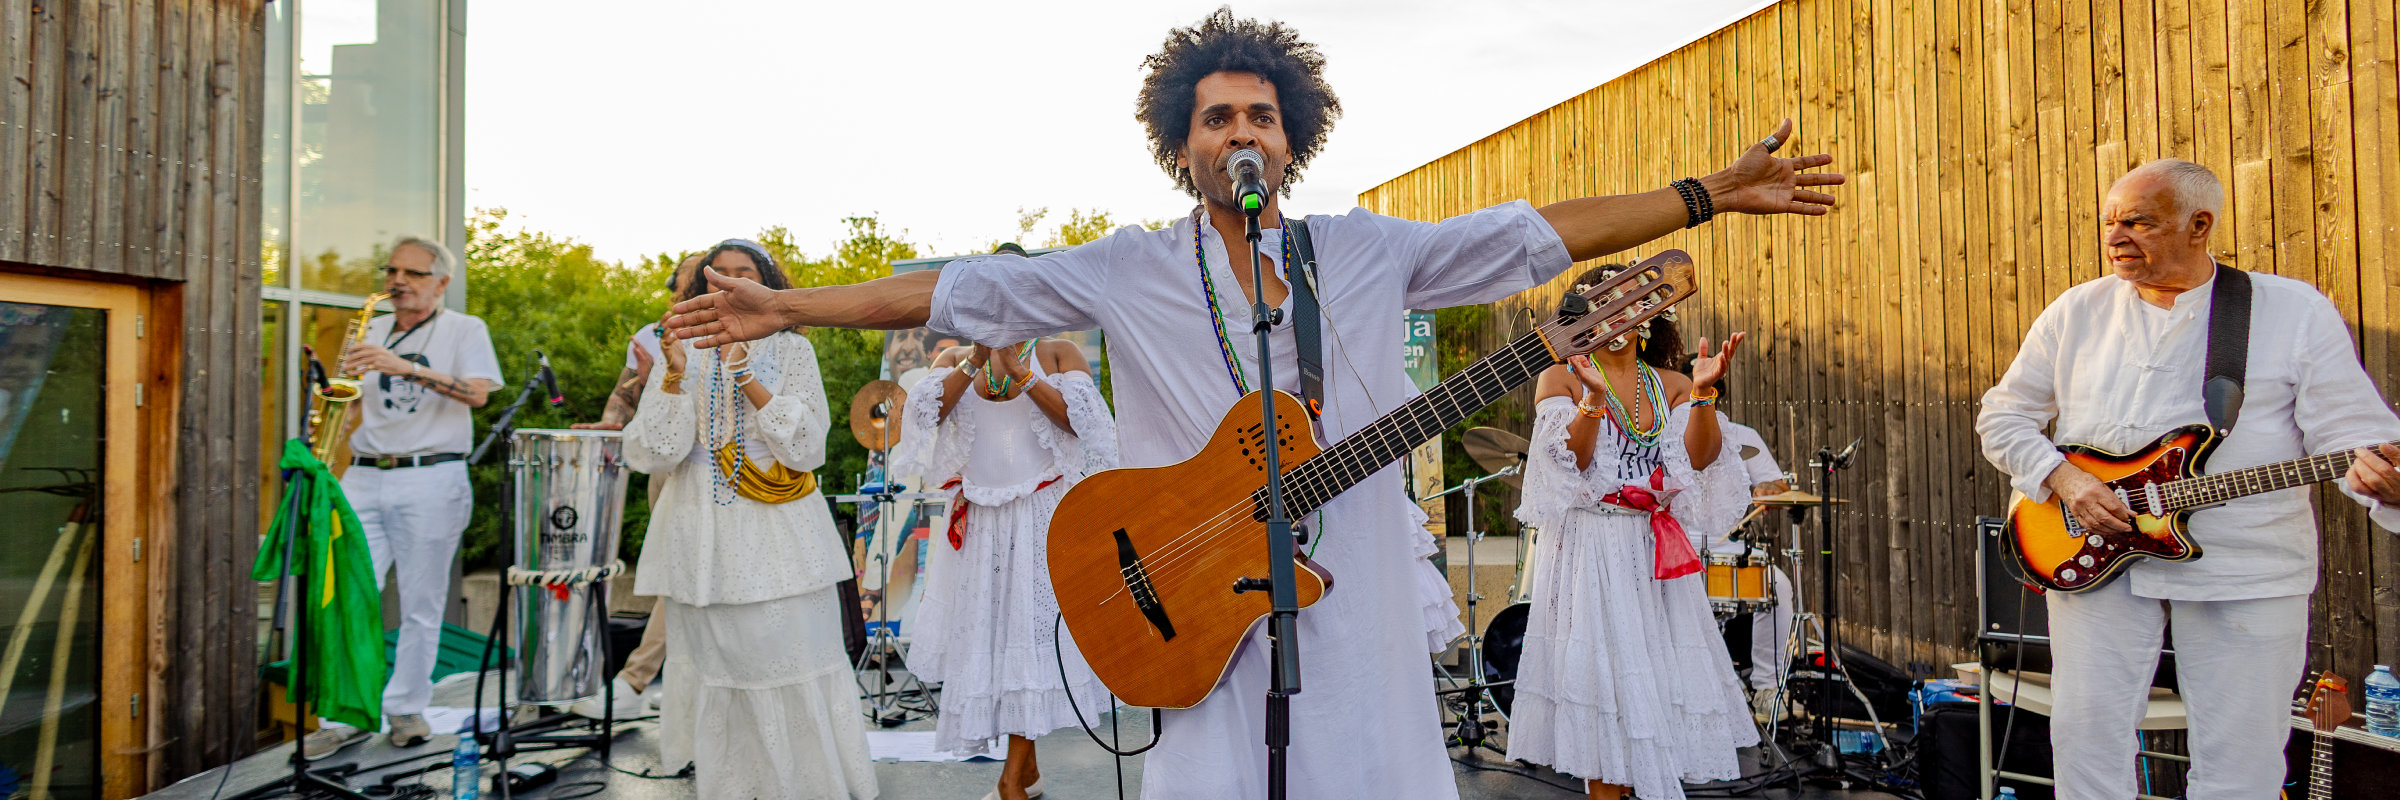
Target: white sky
(645, 127)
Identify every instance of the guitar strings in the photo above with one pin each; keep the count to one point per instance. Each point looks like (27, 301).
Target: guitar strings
(1176, 558)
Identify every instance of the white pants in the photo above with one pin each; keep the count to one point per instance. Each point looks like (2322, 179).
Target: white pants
(2237, 663)
(413, 518)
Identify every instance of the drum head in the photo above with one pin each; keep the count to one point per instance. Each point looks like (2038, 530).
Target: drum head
(1503, 646)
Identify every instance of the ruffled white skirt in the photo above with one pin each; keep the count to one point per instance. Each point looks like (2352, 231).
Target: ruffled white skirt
(761, 702)
(984, 630)
(1625, 679)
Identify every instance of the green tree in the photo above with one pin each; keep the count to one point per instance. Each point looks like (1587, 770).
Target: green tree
(1454, 331)
(535, 290)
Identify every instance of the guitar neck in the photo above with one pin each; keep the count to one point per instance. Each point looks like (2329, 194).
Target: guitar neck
(2320, 768)
(1415, 422)
(2208, 490)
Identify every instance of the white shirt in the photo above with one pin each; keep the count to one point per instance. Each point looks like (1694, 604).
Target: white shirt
(1144, 290)
(1760, 465)
(645, 340)
(408, 418)
(2115, 372)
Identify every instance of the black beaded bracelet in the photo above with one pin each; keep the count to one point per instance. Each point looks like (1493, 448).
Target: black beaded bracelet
(1698, 206)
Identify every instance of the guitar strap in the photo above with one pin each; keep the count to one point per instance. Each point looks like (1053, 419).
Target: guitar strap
(2228, 349)
(1306, 336)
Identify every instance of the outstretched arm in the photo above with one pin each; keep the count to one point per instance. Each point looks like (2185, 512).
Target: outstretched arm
(1756, 183)
(742, 310)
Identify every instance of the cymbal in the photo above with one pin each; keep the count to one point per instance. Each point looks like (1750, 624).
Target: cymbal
(1495, 449)
(875, 414)
(1794, 497)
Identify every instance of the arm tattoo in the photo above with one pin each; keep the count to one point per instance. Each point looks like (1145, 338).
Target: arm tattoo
(627, 399)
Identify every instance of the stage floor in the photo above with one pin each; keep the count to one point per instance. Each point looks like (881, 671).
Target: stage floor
(1073, 768)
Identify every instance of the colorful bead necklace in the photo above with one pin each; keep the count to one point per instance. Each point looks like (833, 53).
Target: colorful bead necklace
(1216, 313)
(996, 385)
(720, 487)
(1652, 393)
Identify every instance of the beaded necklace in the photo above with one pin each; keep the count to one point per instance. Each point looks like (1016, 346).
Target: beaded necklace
(1216, 313)
(1652, 392)
(720, 485)
(997, 385)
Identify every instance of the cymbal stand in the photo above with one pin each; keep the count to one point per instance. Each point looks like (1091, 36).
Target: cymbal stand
(884, 698)
(1470, 718)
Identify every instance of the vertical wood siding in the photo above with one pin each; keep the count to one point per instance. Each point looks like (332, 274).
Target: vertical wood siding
(129, 148)
(1980, 136)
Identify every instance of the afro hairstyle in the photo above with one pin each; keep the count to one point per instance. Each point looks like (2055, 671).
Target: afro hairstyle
(1221, 43)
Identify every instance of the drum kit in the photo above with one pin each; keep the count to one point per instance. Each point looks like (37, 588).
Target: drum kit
(875, 422)
(1738, 583)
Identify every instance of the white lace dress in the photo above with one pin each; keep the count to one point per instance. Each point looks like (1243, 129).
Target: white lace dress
(1624, 679)
(983, 629)
(760, 698)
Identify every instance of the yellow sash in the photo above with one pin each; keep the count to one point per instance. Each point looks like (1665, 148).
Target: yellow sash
(775, 484)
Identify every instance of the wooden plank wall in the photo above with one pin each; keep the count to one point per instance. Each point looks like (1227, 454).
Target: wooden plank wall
(129, 151)
(1980, 136)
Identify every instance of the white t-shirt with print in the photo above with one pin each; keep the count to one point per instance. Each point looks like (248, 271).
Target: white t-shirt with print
(399, 417)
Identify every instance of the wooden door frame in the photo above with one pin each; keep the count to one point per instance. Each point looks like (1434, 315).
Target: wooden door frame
(135, 473)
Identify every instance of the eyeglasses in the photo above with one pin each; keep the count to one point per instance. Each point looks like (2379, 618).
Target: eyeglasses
(412, 274)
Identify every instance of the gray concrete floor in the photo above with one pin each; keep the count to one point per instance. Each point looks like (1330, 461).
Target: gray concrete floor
(1073, 768)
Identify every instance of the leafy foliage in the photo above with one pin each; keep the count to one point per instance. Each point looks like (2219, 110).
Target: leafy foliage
(534, 290)
(1454, 336)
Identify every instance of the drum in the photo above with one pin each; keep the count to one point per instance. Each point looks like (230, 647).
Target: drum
(1503, 649)
(1529, 563)
(570, 496)
(1737, 582)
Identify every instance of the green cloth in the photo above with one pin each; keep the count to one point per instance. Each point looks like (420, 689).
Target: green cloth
(345, 668)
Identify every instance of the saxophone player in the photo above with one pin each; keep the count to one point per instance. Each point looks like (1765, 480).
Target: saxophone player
(423, 368)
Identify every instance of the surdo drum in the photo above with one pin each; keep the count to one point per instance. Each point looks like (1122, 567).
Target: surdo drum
(570, 498)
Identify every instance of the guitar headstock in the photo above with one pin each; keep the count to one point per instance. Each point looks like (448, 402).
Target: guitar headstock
(2329, 702)
(1589, 319)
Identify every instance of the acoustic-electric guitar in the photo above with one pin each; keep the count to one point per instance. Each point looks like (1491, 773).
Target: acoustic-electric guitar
(2159, 484)
(1145, 561)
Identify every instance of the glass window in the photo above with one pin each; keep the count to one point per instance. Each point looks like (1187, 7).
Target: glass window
(53, 360)
(275, 134)
(370, 145)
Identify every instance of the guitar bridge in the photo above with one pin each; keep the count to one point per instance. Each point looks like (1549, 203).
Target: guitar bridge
(1137, 583)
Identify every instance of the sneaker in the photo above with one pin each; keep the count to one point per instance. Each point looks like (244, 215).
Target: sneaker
(330, 739)
(656, 697)
(1764, 708)
(629, 702)
(409, 730)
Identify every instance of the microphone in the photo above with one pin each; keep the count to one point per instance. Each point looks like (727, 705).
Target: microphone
(550, 380)
(1245, 167)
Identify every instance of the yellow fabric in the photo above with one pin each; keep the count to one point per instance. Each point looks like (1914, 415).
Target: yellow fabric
(327, 598)
(775, 484)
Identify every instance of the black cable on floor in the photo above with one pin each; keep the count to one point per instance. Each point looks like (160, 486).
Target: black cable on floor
(1527, 774)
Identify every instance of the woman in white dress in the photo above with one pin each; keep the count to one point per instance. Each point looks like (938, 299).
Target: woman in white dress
(1010, 431)
(1624, 680)
(744, 552)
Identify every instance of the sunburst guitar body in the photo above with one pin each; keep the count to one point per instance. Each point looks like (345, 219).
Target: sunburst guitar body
(1160, 571)
(2161, 485)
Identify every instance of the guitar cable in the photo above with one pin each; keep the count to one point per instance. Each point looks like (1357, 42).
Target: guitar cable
(1157, 717)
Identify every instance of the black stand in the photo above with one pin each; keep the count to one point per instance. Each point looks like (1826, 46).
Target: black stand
(1827, 463)
(1470, 732)
(301, 782)
(1283, 625)
(506, 740)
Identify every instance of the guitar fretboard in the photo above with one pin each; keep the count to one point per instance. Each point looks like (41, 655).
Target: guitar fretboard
(2320, 768)
(2209, 490)
(1415, 422)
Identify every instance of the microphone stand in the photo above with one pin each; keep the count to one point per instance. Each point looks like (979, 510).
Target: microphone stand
(1828, 462)
(1283, 624)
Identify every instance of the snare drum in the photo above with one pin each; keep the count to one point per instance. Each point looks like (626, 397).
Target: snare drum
(1737, 582)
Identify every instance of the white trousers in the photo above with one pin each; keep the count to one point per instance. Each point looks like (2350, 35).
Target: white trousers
(413, 519)
(1769, 631)
(2237, 663)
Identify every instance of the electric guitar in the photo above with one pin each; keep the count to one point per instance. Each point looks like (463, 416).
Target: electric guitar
(1146, 561)
(2160, 485)
(2328, 708)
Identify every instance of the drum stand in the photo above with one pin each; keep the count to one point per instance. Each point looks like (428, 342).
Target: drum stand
(1470, 719)
(507, 740)
(884, 699)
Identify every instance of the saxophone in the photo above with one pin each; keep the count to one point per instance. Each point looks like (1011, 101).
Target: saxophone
(333, 400)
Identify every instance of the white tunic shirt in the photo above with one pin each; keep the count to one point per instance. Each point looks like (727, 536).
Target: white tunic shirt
(1365, 725)
(2115, 372)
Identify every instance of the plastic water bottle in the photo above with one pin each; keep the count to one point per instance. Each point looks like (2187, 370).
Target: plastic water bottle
(2383, 702)
(2008, 793)
(466, 767)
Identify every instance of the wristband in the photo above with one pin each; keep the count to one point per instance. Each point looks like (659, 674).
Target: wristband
(1588, 411)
